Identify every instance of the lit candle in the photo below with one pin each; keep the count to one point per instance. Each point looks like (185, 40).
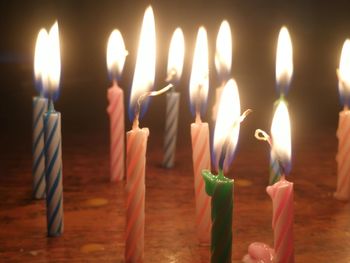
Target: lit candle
(53, 142)
(39, 108)
(284, 72)
(281, 192)
(175, 65)
(343, 156)
(223, 60)
(116, 54)
(137, 141)
(199, 85)
(219, 187)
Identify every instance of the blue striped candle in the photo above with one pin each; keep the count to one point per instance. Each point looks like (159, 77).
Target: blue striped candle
(38, 169)
(171, 123)
(54, 189)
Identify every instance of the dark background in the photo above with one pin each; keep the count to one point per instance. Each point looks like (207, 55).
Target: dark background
(318, 30)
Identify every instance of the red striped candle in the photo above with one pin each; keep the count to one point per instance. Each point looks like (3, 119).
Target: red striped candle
(137, 141)
(135, 191)
(199, 87)
(343, 132)
(116, 54)
(201, 161)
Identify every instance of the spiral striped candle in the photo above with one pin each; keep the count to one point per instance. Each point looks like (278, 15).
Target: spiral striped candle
(282, 196)
(53, 172)
(115, 110)
(201, 161)
(275, 172)
(172, 112)
(38, 170)
(135, 194)
(220, 188)
(343, 157)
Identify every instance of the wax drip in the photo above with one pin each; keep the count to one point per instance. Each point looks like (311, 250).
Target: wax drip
(143, 97)
(227, 139)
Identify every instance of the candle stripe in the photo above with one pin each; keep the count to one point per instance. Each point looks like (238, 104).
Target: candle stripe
(201, 160)
(53, 173)
(115, 110)
(171, 123)
(38, 165)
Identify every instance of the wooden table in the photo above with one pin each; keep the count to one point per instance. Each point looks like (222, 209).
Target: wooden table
(94, 208)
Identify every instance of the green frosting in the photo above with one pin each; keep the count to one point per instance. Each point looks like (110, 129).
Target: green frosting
(220, 188)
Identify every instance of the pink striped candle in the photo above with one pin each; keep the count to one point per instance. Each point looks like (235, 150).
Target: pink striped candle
(199, 87)
(201, 161)
(281, 192)
(116, 54)
(343, 132)
(343, 157)
(282, 196)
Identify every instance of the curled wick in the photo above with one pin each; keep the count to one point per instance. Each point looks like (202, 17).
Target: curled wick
(143, 97)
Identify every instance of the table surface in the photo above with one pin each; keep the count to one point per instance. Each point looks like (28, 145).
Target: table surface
(94, 210)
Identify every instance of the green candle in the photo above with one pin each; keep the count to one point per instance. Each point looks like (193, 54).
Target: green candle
(220, 188)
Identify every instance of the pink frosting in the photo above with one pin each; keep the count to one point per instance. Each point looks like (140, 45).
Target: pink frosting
(259, 253)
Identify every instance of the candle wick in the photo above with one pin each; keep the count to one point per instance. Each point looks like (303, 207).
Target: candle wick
(115, 82)
(171, 75)
(198, 118)
(346, 107)
(143, 96)
(51, 107)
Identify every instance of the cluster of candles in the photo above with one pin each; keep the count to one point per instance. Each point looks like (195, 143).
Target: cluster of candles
(214, 223)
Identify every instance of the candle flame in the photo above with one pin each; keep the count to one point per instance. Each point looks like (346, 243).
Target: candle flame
(176, 55)
(284, 61)
(344, 73)
(199, 81)
(281, 136)
(227, 124)
(223, 54)
(116, 54)
(145, 63)
(40, 63)
(53, 63)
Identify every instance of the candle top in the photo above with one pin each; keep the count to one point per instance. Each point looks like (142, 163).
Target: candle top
(344, 74)
(176, 56)
(281, 136)
(145, 64)
(284, 61)
(227, 126)
(199, 80)
(50, 62)
(40, 56)
(116, 54)
(223, 52)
